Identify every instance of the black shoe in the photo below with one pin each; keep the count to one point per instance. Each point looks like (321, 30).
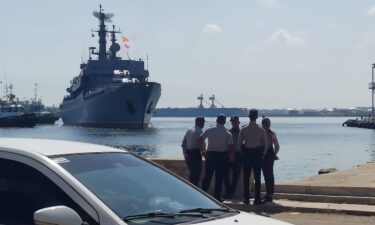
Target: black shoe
(258, 202)
(267, 199)
(246, 201)
(252, 195)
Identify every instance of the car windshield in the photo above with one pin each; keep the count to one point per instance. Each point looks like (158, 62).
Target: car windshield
(131, 186)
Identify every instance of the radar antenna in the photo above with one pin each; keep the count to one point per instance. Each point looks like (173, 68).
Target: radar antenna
(103, 16)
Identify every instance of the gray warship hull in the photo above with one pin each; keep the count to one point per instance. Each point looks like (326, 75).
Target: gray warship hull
(129, 105)
(109, 91)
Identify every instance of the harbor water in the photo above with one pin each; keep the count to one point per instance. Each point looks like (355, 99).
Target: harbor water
(307, 144)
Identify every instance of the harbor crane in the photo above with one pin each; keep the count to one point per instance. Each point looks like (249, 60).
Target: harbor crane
(200, 98)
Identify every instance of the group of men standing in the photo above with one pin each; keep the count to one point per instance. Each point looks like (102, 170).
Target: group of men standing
(227, 152)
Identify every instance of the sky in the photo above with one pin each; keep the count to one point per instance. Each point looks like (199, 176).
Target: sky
(252, 53)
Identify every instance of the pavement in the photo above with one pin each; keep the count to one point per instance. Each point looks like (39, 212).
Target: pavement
(342, 197)
(362, 176)
(298, 218)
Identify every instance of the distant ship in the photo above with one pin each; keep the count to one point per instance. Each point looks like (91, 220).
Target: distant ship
(109, 91)
(212, 111)
(12, 114)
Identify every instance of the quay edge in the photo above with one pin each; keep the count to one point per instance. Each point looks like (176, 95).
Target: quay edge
(369, 124)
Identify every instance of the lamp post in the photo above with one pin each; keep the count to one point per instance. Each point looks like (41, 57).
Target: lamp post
(372, 86)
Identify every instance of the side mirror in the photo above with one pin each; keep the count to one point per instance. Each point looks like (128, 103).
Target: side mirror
(57, 215)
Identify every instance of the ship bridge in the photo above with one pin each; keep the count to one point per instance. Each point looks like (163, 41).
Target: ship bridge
(101, 67)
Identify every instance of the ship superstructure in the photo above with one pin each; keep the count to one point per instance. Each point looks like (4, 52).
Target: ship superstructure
(11, 113)
(110, 91)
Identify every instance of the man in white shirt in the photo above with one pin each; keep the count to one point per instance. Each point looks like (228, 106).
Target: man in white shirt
(219, 149)
(253, 140)
(192, 154)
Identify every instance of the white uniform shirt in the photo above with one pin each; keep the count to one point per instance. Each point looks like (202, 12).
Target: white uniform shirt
(218, 138)
(252, 136)
(191, 137)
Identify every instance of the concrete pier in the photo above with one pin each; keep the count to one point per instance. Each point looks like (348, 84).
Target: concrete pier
(364, 123)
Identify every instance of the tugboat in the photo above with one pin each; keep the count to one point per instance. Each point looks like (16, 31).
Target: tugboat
(12, 115)
(109, 91)
(37, 107)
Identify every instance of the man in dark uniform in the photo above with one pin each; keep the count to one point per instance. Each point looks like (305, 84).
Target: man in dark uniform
(253, 140)
(269, 159)
(234, 167)
(192, 154)
(220, 145)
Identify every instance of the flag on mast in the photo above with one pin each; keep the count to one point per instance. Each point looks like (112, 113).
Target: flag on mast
(126, 41)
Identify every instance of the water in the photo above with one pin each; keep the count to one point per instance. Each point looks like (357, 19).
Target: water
(307, 144)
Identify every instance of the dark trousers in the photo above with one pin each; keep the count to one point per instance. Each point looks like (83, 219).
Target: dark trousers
(267, 168)
(194, 163)
(232, 174)
(252, 160)
(215, 162)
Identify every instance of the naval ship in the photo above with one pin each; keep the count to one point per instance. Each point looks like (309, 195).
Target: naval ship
(212, 111)
(109, 91)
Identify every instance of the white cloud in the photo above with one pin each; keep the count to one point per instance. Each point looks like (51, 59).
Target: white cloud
(212, 28)
(371, 11)
(268, 3)
(282, 36)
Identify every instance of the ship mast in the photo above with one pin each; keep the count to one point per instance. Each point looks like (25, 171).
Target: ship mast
(36, 92)
(115, 47)
(10, 94)
(102, 32)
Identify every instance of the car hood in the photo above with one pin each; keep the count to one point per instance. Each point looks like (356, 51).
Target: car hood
(245, 219)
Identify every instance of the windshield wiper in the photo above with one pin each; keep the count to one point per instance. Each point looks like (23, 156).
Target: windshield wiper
(160, 214)
(207, 210)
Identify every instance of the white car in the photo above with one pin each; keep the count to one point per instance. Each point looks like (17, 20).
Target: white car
(47, 182)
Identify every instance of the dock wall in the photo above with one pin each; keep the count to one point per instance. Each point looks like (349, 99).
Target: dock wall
(179, 167)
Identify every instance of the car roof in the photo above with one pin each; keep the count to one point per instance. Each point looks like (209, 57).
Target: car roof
(52, 147)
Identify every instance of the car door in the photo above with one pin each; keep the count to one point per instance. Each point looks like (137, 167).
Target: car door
(24, 190)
